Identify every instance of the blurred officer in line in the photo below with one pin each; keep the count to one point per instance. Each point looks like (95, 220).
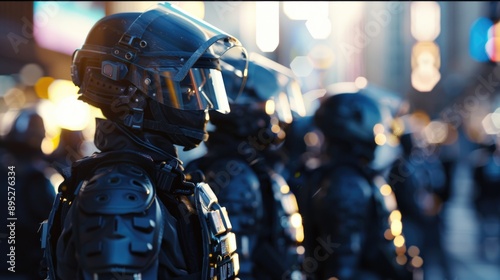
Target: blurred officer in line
(352, 229)
(129, 211)
(419, 182)
(26, 189)
(486, 200)
(264, 211)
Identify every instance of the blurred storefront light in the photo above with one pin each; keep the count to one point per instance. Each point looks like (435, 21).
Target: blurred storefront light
(319, 27)
(311, 139)
(425, 63)
(30, 73)
(361, 82)
(344, 13)
(267, 26)
(284, 102)
(425, 27)
(301, 66)
(322, 56)
(7, 82)
(115, 7)
(296, 99)
(425, 54)
(491, 123)
(425, 20)
(195, 8)
(14, 98)
(495, 117)
(42, 87)
(70, 113)
(59, 89)
(399, 241)
(436, 132)
(493, 44)
(478, 38)
(305, 10)
(63, 26)
(424, 78)
(46, 109)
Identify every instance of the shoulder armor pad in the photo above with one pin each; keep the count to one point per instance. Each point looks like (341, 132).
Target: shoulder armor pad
(83, 168)
(238, 189)
(118, 189)
(232, 178)
(117, 223)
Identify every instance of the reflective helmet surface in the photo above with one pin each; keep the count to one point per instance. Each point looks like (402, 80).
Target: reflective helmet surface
(349, 118)
(268, 98)
(162, 59)
(265, 80)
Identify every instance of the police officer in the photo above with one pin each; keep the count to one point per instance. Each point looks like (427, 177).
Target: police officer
(420, 185)
(263, 210)
(346, 220)
(27, 192)
(129, 211)
(486, 178)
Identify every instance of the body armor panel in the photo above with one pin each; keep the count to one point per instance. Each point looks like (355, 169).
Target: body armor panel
(359, 246)
(122, 220)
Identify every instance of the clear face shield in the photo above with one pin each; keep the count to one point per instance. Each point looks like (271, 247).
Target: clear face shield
(200, 89)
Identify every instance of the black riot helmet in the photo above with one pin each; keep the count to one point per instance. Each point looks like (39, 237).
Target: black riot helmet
(25, 132)
(156, 71)
(264, 104)
(348, 120)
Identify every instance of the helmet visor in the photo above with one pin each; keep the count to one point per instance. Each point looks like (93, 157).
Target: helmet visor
(201, 89)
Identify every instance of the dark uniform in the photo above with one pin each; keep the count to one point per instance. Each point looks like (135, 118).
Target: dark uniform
(264, 211)
(27, 194)
(486, 182)
(349, 214)
(130, 211)
(420, 185)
